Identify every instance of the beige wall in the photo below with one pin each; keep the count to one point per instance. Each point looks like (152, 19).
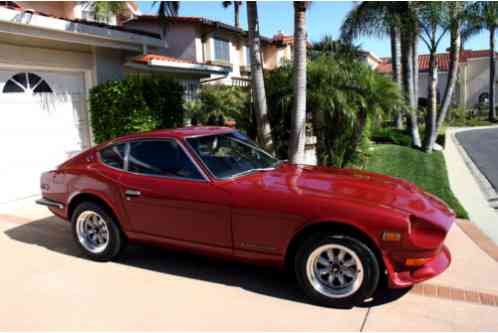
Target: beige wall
(57, 8)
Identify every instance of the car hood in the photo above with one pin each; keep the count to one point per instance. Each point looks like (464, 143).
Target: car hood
(363, 187)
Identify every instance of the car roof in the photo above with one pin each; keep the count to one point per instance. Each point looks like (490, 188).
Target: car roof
(178, 133)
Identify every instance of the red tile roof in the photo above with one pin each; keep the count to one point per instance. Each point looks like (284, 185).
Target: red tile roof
(443, 60)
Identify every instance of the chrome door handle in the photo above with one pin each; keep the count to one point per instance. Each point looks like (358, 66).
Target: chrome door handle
(133, 193)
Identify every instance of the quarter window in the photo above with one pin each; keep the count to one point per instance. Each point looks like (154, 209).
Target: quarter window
(221, 50)
(26, 83)
(114, 156)
(161, 158)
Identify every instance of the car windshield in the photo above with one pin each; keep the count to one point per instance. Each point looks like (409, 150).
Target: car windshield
(232, 154)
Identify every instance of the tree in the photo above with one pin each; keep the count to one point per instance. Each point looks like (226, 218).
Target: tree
(409, 65)
(257, 79)
(483, 15)
(297, 138)
(431, 16)
(166, 9)
(102, 9)
(377, 18)
(236, 11)
(457, 20)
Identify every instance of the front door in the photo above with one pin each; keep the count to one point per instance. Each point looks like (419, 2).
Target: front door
(166, 195)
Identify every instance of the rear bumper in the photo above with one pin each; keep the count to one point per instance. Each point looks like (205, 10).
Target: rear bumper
(436, 266)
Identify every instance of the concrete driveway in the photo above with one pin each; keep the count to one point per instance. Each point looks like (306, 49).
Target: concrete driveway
(46, 285)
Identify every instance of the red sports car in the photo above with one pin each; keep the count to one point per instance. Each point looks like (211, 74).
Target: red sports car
(213, 191)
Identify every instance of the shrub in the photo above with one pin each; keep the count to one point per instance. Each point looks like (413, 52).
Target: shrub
(229, 103)
(392, 135)
(135, 104)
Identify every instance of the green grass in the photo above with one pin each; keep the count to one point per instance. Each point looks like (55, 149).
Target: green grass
(428, 171)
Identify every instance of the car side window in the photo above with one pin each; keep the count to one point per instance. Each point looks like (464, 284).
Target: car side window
(114, 155)
(161, 158)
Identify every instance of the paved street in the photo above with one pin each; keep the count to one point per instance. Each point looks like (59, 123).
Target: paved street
(482, 147)
(45, 284)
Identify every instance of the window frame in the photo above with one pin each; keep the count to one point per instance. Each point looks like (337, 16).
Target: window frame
(228, 49)
(128, 143)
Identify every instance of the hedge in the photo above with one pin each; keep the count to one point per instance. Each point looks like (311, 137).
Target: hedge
(138, 103)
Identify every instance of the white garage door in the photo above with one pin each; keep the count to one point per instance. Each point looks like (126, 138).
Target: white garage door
(42, 123)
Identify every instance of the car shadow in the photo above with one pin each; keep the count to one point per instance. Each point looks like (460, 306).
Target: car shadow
(54, 234)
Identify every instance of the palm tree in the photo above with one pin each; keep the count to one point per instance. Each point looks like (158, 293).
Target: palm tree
(104, 8)
(257, 79)
(166, 9)
(457, 15)
(430, 17)
(483, 15)
(377, 18)
(298, 118)
(409, 65)
(236, 10)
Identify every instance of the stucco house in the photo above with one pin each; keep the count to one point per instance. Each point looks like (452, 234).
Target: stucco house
(473, 76)
(201, 40)
(51, 55)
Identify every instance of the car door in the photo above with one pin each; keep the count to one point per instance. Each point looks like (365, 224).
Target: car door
(166, 194)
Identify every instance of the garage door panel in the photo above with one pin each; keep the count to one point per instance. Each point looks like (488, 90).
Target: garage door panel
(39, 131)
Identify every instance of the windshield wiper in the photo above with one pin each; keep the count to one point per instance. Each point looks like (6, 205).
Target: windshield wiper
(243, 173)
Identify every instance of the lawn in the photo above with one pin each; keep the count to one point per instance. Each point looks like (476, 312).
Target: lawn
(428, 171)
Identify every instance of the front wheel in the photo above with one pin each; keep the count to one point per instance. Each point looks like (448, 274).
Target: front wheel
(336, 270)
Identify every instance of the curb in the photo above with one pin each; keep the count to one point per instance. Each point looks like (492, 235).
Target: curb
(486, 188)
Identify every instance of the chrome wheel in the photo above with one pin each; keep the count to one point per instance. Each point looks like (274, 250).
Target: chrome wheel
(334, 271)
(92, 232)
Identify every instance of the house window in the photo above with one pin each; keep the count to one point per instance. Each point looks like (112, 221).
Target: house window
(248, 56)
(221, 50)
(26, 83)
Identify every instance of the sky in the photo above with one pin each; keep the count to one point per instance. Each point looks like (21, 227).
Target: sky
(323, 18)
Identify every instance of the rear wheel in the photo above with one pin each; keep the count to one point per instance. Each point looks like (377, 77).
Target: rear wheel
(336, 270)
(96, 232)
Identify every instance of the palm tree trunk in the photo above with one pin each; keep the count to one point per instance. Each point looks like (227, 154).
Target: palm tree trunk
(407, 79)
(236, 13)
(492, 71)
(298, 118)
(430, 120)
(396, 67)
(455, 43)
(415, 71)
(257, 79)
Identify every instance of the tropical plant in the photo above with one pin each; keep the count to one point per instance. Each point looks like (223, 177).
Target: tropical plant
(102, 9)
(457, 20)
(297, 138)
(166, 9)
(236, 10)
(378, 18)
(409, 66)
(432, 17)
(257, 78)
(343, 98)
(483, 15)
(327, 46)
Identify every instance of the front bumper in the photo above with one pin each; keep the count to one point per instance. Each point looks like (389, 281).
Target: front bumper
(406, 278)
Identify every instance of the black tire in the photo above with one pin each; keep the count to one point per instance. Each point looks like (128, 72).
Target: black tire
(371, 270)
(115, 238)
